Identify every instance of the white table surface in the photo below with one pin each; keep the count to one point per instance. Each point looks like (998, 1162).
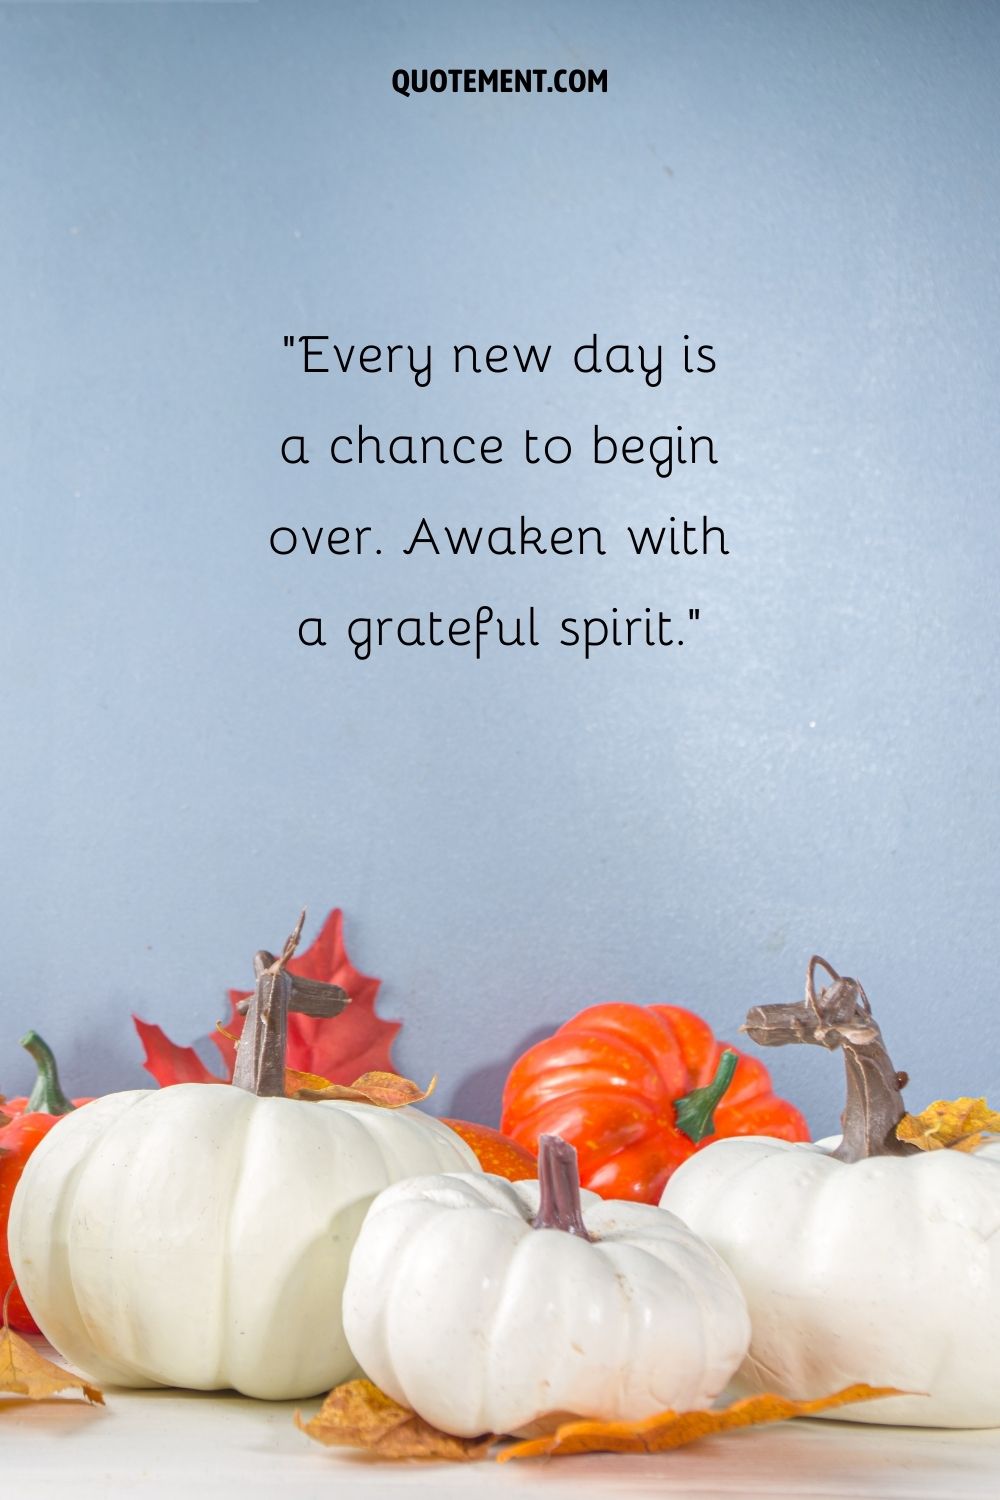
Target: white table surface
(183, 1444)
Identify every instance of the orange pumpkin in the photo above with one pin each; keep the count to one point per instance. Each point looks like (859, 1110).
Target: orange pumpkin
(497, 1153)
(23, 1123)
(611, 1080)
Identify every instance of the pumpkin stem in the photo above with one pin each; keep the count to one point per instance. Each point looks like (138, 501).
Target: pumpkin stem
(47, 1097)
(840, 1016)
(693, 1113)
(559, 1205)
(260, 1052)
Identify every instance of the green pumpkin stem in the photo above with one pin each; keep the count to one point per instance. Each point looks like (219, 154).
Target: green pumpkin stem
(47, 1097)
(694, 1113)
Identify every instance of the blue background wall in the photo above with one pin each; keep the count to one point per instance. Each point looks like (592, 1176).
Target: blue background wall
(813, 188)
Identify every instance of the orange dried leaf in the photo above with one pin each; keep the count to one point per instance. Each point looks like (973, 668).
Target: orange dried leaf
(25, 1372)
(359, 1415)
(672, 1429)
(296, 1082)
(386, 1090)
(959, 1123)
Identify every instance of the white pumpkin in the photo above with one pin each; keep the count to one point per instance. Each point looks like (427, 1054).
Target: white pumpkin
(885, 1270)
(199, 1235)
(858, 1262)
(458, 1307)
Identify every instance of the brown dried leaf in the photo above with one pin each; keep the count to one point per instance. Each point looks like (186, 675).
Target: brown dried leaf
(25, 1372)
(675, 1429)
(359, 1415)
(386, 1090)
(963, 1124)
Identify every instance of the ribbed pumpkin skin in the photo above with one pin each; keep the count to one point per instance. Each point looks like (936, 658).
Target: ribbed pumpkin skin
(457, 1307)
(199, 1236)
(607, 1082)
(885, 1270)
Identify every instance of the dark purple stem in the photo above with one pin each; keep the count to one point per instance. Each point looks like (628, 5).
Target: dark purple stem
(559, 1204)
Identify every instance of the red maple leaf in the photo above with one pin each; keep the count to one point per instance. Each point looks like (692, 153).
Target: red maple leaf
(167, 1062)
(339, 1048)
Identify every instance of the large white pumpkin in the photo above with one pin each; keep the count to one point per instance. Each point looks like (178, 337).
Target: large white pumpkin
(199, 1236)
(885, 1270)
(861, 1259)
(459, 1308)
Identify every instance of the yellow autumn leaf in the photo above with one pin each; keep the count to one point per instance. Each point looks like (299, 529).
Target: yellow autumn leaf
(962, 1124)
(359, 1415)
(25, 1372)
(386, 1090)
(672, 1429)
(976, 1142)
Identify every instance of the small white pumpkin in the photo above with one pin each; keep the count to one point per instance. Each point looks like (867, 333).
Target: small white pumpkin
(861, 1260)
(199, 1235)
(491, 1306)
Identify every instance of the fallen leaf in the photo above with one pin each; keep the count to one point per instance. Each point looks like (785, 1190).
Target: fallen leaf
(387, 1090)
(25, 1372)
(672, 1429)
(335, 1048)
(359, 1415)
(962, 1124)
